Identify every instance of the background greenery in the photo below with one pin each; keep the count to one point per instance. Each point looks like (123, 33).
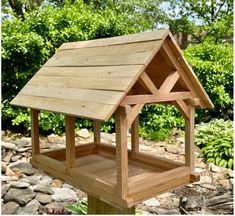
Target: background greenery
(32, 30)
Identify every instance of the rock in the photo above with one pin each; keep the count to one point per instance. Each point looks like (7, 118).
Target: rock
(44, 189)
(46, 180)
(30, 209)
(21, 196)
(64, 195)
(194, 203)
(65, 185)
(230, 173)
(23, 149)
(225, 183)
(205, 179)
(17, 172)
(32, 180)
(23, 142)
(151, 202)
(83, 133)
(199, 170)
(172, 149)
(10, 208)
(165, 195)
(161, 211)
(19, 184)
(222, 199)
(25, 168)
(7, 157)
(4, 189)
(55, 139)
(16, 158)
(214, 168)
(9, 178)
(8, 145)
(9, 172)
(209, 186)
(3, 166)
(43, 198)
(56, 183)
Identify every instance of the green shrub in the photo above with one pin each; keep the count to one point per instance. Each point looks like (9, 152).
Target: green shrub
(156, 121)
(215, 139)
(213, 64)
(79, 208)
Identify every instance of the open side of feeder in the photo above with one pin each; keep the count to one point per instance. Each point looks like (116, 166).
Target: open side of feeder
(98, 78)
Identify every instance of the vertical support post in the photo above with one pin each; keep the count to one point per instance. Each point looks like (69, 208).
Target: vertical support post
(189, 139)
(135, 136)
(70, 142)
(35, 132)
(96, 126)
(97, 206)
(121, 153)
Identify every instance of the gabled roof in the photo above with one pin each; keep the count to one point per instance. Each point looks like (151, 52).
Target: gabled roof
(91, 78)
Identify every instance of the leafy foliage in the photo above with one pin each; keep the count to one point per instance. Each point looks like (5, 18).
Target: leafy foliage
(156, 121)
(79, 208)
(216, 142)
(213, 64)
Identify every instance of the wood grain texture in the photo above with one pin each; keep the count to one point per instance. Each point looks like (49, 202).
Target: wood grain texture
(169, 82)
(70, 142)
(96, 126)
(135, 136)
(133, 38)
(35, 132)
(189, 139)
(121, 154)
(147, 83)
(70, 107)
(133, 114)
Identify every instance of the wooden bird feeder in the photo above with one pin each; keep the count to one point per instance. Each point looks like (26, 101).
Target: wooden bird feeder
(96, 79)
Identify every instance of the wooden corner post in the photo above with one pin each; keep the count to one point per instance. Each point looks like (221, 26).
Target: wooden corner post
(70, 142)
(135, 136)
(35, 132)
(96, 126)
(121, 153)
(189, 139)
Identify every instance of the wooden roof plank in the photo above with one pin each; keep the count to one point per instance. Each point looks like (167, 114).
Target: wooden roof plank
(99, 71)
(133, 38)
(69, 107)
(102, 83)
(86, 95)
(113, 55)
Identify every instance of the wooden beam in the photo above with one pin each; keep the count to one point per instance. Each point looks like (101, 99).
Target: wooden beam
(135, 137)
(182, 108)
(96, 126)
(70, 142)
(189, 139)
(147, 83)
(169, 82)
(141, 99)
(134, 113)
(170, 57)
(35, 132)
(121, 154)
(193, 102)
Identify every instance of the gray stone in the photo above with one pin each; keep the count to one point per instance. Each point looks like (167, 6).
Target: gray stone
(25, 168)
(209, 186)
(214, 168)
(165, 195)
(30, 209)
(205, 179)
(21, 196)
(43, 198)
(106, 137)
(19, 184)
(83, 133)
(33, 180)
(9, 208)
(23, 149)
(16, 158)
(161, 211)
(7, 157)
(45, 180)
(199, 170)
(151, 202)
(23, 142)
(65, 185)
(55, 139)
(3, 166)
(9, 178)
(4, 189)
(8, 145)
(44, 189)
(64, 195)
(194, 203)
